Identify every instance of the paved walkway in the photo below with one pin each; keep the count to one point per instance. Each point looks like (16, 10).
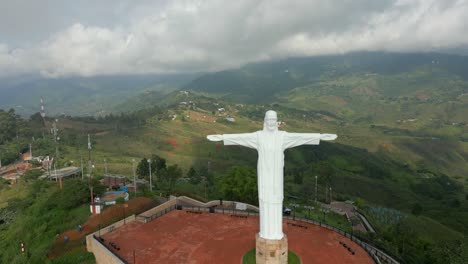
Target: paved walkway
(350, 210)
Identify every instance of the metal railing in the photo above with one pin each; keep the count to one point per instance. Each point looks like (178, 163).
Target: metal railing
(158, 214)
(377, 254)
(101, 241)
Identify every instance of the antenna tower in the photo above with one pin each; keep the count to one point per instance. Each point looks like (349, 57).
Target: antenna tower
(43, 116)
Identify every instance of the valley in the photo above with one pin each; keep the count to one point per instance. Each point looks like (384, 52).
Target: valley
(402, 140)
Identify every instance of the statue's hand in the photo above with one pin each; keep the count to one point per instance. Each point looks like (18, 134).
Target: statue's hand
(328, 136)
(215, 137)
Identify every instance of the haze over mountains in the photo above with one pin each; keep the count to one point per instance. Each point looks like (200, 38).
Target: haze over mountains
(374, 75)
(78, 96)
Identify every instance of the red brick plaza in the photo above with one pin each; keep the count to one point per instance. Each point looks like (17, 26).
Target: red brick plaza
(186, 237)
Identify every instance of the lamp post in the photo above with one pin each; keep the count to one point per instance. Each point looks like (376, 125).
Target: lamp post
(105, 165)
(81, 164)
(91, 187)
(134, 176)
(100, 221)
(55, 171)
(151, 177)
(308, 207)
(295, 206)
(315, 188)
(124, 205)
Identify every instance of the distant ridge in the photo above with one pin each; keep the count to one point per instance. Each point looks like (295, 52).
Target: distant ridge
(260, 81)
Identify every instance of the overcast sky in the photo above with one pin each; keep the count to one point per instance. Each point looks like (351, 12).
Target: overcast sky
(62, 37)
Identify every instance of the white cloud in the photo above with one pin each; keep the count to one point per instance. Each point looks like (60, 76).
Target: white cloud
(186, 36)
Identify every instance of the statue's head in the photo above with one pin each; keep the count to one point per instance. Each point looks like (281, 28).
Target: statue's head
(271, 121)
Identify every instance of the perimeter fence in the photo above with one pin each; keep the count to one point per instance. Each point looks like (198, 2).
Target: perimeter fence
(377, 254)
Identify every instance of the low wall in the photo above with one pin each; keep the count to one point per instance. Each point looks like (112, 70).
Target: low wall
(194, 202)
(159, 208)
(101, 253)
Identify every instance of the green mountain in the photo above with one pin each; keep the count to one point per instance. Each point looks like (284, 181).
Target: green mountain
(413, 105)
(262, 82)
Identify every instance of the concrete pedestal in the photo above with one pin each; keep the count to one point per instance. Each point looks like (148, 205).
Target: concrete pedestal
(270, 251)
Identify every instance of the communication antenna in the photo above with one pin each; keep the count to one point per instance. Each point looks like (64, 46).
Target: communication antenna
(89, 156)
(43, 116)
(134, 176)
(90, 183)
(54, 131)
(81, 163)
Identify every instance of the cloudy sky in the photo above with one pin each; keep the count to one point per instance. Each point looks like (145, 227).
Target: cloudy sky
(62, 37)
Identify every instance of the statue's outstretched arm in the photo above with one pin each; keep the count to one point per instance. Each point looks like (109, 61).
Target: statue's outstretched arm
(328, 136)
(215, 137)
(246, 139)
(296, 139)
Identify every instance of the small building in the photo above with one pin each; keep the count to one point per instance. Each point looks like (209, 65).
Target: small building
(139, 182)
(113, 180)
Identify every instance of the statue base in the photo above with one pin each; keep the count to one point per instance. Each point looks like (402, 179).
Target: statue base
(269, 251)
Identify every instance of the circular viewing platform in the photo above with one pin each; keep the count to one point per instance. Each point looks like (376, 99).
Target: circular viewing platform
(185, 236)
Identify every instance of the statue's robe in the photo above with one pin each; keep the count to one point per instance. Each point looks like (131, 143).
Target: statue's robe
(270, 146)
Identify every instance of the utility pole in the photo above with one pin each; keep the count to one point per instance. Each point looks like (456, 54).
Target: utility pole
(56, 139)
(81, 162)
(43, 118)
(90, 172)
(91, 187)
(48, 168)
(151, 176)
(105, 165)
(30, 151)
(55, 171)
(89, 158)
(316, 188)
(134, 176)
(326, 193)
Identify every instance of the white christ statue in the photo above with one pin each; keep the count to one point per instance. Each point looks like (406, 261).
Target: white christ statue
(270, 144)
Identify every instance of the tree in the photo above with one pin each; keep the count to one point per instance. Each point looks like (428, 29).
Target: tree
(193, 176)
(173, 173)
(359, 203)
(298, 177)
(142, 169)
(158, 167)
(240, 184)
(417, 209)
(157, 163)
(32, 174)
